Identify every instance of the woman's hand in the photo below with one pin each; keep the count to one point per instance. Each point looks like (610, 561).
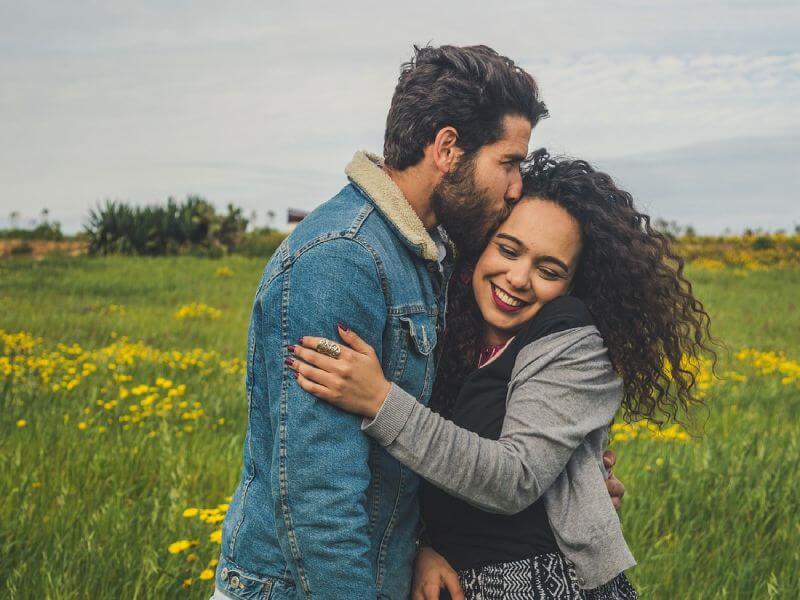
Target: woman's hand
(432, 572)
(615, 488)
(353, 382)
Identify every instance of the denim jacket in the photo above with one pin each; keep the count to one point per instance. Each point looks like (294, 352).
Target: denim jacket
(321, 511)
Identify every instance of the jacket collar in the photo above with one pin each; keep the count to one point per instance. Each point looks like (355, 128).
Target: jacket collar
(366, 171)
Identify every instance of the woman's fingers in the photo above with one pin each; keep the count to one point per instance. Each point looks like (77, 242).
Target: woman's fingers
(307, 351)
(326, 383)
(609, 459)
(352, 339)
(314, 388)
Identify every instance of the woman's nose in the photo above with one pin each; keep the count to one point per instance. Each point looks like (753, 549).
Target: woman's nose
(518, 279)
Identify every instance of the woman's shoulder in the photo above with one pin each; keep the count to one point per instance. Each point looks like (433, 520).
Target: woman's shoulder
(560, 314)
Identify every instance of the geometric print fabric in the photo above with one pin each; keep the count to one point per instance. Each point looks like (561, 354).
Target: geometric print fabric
(543, 577)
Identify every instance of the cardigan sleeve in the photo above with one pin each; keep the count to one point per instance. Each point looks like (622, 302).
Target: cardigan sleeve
(564, 389)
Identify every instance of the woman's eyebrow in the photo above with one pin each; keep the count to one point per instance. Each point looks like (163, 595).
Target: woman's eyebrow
(507, 236)
(555, 260)
(552, 259)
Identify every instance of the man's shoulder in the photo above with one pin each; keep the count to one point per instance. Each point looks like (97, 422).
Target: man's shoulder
(348, 219)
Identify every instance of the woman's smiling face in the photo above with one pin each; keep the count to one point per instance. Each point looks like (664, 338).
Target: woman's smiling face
(530, 260)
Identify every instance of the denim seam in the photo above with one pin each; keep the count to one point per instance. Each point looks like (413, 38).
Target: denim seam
(376, 482)
(359, 220)
(245, 487)
(283, 492)
(406, 310)
(249, 391)
(389, 528)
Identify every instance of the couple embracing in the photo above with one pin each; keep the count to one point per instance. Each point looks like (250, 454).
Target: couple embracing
(435, 356)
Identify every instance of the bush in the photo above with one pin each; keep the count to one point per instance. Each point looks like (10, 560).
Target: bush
(43, 231)
(762, 242)
(261, 243)
(177, 228)
(23, 249)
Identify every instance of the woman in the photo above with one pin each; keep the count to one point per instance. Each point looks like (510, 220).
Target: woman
(577, 306)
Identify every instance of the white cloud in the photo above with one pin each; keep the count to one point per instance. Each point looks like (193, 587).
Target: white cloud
(618, 105)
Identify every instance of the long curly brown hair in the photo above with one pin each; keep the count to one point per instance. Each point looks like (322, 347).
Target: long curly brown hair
(630, 279)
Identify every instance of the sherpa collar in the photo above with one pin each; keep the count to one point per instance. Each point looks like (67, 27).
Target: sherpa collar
(366, 171)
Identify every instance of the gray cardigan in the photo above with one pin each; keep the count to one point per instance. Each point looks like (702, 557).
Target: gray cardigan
(562, 396)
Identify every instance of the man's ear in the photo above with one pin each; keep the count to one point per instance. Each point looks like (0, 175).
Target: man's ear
(445, 149)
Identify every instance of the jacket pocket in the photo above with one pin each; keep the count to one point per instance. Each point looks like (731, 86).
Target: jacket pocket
(422, 331)
(418, 355)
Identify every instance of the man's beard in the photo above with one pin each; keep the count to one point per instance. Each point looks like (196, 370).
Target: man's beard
(464, 211)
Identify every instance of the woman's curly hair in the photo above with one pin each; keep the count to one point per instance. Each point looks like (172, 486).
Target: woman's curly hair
(630, 279)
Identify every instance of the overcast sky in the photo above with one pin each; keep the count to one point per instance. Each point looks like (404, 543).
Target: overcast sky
(695, 106)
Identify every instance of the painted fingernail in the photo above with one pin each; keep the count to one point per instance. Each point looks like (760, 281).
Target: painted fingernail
(296, 374)
(300, 341)
(291, 348)
(343, 327)
(289, 361)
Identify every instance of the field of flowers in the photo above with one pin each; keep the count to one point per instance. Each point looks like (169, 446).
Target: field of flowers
(122, 415)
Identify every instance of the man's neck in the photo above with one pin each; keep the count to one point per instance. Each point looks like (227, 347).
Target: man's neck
(417, 189)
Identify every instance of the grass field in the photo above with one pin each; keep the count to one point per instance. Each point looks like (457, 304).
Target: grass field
(123, 412)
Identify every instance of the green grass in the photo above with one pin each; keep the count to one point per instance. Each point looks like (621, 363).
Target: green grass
(91, 513)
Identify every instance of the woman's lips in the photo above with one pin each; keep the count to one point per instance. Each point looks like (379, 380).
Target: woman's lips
(502, 305)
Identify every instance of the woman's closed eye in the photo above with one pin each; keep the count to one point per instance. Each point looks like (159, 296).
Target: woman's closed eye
(549, 274)
(507, 251)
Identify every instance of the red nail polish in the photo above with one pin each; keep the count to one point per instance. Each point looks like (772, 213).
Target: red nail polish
(300, 341)
(288, 361)
(291, 348)
(343, 327)
(296, 374)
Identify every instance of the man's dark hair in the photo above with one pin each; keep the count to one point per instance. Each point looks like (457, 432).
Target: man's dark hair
(471, 89)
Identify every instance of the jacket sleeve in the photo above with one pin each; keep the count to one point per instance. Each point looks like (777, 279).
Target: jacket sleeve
(568, 390)
(320, 471)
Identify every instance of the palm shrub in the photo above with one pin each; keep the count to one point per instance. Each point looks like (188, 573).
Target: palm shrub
(177, 228)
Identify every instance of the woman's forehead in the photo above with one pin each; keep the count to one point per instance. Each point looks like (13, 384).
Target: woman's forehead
(543, 227)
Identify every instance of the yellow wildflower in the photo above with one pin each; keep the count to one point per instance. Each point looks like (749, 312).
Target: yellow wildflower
(180, 546)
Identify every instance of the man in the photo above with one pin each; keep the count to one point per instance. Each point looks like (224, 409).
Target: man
(320, 511)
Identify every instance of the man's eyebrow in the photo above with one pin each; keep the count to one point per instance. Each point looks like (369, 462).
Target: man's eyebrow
(514, 156)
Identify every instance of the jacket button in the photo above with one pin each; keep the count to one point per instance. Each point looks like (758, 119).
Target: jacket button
(224, 573)
(235, 582)
(581, 581)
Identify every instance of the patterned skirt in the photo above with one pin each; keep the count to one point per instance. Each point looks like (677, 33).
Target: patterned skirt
(543, 577)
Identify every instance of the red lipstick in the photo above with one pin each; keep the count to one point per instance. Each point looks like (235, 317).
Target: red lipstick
(502, 305)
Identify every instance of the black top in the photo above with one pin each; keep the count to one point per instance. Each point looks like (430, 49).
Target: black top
(469, 537)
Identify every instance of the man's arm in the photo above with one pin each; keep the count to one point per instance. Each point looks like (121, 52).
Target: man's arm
(320, 470)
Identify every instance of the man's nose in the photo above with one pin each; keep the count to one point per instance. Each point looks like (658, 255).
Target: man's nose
(514, 190)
